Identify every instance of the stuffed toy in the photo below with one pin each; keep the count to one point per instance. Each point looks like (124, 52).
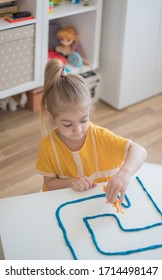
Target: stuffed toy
(70, 46)
(3, 103)
(18, 100)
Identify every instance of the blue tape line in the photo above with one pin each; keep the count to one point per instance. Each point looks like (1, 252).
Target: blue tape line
(61, 224)
(150, 197)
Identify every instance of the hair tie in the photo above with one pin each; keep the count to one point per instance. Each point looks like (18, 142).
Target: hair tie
(63, 73)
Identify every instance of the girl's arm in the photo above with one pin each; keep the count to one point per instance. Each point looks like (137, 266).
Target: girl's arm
(57, 183)
(78, 184)
(118, 184)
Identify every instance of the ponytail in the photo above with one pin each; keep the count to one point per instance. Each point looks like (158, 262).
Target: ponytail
(59, 87)
(52, 75)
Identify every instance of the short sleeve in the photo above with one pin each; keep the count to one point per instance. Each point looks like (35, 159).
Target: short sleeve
(44, 164)
(118, 148)
(112, 148)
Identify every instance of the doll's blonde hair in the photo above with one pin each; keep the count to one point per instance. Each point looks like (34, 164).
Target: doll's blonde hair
(58, 87)
(68, 32)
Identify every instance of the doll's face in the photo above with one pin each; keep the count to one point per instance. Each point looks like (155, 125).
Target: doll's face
(66, 42)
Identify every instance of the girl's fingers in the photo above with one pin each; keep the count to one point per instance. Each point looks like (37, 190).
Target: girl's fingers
(83, 183)
(80, 185)
(111, 194)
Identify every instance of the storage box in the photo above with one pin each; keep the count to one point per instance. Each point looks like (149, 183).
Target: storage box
(34, 98)
(92, 78)
(16, 56)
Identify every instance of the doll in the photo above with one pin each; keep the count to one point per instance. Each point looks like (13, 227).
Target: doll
(70, 46)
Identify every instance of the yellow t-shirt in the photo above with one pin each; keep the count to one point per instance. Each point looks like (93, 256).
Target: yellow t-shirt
(100, 157)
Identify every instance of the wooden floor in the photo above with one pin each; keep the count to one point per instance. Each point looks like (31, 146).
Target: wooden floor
(20, 135)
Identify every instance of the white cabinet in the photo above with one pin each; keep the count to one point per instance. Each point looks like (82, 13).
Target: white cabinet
(20, 51)
(131, 57)
(87, 21)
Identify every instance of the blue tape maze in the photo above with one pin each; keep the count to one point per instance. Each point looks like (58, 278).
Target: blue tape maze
(87, 220)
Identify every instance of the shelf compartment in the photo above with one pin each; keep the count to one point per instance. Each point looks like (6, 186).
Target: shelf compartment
(85, 37)
(67, 9)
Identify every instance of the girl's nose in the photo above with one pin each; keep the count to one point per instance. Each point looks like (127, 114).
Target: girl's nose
(78, 128)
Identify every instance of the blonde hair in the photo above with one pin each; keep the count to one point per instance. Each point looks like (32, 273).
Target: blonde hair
(69, 88)
(68, 32)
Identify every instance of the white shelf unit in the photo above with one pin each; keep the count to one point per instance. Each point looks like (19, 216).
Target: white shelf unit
(35, 7)
(87, 21)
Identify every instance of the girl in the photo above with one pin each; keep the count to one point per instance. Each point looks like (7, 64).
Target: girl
(76, 153)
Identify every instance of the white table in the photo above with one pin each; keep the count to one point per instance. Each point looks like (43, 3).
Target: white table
(29, 228)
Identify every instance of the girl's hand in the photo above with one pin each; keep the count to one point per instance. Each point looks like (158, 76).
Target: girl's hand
(117, 185)
(83, 183)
